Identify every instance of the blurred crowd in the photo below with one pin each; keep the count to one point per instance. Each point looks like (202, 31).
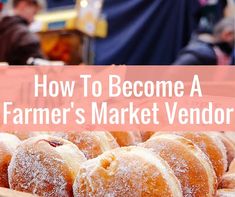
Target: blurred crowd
(211, 41)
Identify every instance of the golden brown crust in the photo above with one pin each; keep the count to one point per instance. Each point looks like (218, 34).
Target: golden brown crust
(187, 161)
(146, 135)
(8, 143)
(5, 157)
(39, 166)
(127, 138)
(228, 181)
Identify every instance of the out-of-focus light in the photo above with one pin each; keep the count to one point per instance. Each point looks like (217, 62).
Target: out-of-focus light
(97, 4)
(83, 3)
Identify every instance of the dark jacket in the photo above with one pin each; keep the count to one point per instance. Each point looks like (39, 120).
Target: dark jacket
(17, 43)
(233, 58)
(197, 53)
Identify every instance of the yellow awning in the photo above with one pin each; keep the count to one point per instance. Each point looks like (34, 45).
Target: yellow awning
(65, 19)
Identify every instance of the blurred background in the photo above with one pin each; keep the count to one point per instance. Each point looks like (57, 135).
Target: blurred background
(104, 32)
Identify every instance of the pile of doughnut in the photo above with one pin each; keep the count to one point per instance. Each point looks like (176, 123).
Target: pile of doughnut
(119, 164)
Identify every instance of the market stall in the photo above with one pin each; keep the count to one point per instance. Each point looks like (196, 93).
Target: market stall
(57, 28)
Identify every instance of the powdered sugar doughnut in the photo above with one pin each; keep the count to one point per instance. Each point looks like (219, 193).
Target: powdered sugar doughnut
(230, 135)
(127, 171)
(91, 143)
(8, 144)
(127, 138)
(45, 166)
(229, 146)
(212, 146)
(190, 165)
(228, 181)
(22, 135)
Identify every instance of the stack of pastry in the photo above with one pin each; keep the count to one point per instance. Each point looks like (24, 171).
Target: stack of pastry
(93, 164)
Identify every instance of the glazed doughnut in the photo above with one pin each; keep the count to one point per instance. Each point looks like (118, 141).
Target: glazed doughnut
(46, 166)
(8, 144)
(187, 161)
(225, 193)
(212, 146)
(91, 143)
(126, 171)
(229, 146)
(127, 138)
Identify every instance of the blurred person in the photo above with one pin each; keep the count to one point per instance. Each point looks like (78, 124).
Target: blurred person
(1, 6)
(233, 58)
(140, 32)
(210, 49)
(18, 44)
(2, 2)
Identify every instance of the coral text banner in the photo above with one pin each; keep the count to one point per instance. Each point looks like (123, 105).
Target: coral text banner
(117, 98)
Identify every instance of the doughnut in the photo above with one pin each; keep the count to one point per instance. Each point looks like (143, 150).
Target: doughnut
(45, 166)
(91, 143)
(225, 193)
(8, 144)
(187, 161)
(232, 167)
(146, 135)
(127, 171)
(127, 138)
(230, 135)
(212, 146)
(229, 146)
(228, 181)
(22, 135)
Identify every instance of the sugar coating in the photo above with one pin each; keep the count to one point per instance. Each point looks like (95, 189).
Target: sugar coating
(92, 143)
(212, 146)
(38, 168)
(131, 171)
(188, 162)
